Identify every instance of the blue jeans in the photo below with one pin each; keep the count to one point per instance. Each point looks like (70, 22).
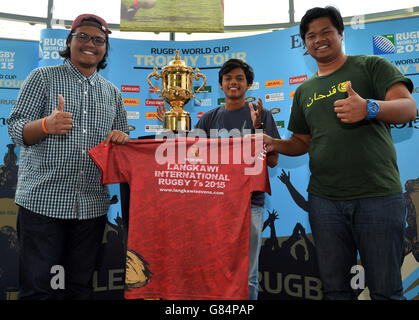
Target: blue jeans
(374, 227)
(256, 224)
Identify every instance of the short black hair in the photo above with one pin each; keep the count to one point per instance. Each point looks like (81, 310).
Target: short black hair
(231, 64)
(331, 12)
(66, 53)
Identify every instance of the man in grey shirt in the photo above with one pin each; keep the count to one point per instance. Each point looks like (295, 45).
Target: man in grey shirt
(236, 117)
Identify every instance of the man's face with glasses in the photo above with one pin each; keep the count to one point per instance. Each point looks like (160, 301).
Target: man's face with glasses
(88, 47)
(85, 38)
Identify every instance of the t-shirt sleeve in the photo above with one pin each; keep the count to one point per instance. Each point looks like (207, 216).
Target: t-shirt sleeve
(112, 161)
(297, 122)
(261, 181)
(385, 75)
(257, 170)
(207, 122)
(202, 125)
(270, 125)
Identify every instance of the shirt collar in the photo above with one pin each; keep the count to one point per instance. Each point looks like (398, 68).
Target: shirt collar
(76, 72)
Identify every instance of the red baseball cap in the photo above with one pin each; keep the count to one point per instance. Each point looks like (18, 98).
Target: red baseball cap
(79, 21)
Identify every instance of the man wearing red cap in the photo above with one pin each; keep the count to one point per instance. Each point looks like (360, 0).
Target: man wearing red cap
(62, 112)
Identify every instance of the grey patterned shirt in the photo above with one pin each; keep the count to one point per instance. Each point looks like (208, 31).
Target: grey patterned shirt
(57, 178)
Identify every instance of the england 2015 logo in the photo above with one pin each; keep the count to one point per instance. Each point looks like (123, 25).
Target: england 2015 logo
(384, 44)
(398, 43)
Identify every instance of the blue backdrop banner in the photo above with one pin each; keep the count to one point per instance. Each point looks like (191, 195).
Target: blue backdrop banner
(281, 63)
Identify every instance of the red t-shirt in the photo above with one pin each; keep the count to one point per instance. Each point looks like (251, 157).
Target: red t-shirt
(189, 214)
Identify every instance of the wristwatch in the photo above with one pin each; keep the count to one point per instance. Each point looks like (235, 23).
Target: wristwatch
(373, 108)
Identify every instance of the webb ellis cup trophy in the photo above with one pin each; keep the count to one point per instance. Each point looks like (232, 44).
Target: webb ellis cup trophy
(177, 88)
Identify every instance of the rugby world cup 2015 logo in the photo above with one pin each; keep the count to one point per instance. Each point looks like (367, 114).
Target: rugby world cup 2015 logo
(384, 44)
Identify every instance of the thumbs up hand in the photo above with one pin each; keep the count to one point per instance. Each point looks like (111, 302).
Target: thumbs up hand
(60, 106)
(353, 108)
(59, 121)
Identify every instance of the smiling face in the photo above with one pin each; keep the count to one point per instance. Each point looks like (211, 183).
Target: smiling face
(323, 41)
(86, 56)
(234, 84)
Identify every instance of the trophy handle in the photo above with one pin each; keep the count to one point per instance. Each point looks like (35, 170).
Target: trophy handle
(157, 76)
(198, 75)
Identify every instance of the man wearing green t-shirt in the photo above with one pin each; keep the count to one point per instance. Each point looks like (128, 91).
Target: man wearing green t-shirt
(341, 117)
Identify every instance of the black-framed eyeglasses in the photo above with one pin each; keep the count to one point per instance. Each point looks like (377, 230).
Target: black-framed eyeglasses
(85, 38)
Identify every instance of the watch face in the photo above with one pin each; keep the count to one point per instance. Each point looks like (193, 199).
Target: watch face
(374, 108)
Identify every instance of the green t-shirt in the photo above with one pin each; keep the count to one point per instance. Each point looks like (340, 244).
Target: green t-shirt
(348, 161)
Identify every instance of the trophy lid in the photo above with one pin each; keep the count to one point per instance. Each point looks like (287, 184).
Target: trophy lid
(177, 62)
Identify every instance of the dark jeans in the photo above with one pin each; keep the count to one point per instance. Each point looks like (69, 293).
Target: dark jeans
(374, 227)
(47, 242)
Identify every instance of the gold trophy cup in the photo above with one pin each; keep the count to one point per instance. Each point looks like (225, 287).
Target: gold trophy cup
(177, 88)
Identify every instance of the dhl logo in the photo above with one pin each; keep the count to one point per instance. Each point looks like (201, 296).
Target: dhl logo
(131, 102)
(274, 83)
(151, 115)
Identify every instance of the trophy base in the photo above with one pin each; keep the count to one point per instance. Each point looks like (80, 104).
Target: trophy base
(177, 122)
